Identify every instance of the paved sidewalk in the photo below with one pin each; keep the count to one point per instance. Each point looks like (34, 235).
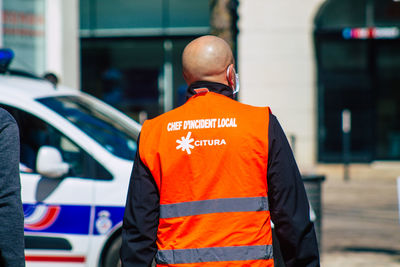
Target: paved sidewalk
(360, 217)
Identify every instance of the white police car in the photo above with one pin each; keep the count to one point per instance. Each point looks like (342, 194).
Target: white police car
(76, 158)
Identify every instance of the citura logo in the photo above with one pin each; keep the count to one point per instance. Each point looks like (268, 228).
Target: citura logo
(185, 143)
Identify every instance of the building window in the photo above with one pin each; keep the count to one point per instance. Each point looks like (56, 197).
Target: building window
(131, 51)
(24, 32)
(358, 60)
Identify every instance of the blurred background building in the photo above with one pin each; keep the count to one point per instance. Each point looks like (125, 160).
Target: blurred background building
(44, 36)
(308, 60)
(311, 59)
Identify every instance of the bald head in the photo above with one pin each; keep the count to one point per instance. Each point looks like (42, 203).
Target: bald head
(207, 59)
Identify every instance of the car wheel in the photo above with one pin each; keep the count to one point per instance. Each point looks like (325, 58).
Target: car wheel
(112, 257)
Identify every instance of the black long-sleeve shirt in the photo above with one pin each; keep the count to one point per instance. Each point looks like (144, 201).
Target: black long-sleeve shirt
(288, 204)
(11, 213)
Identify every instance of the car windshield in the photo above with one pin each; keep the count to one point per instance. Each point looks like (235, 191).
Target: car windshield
(109, 130)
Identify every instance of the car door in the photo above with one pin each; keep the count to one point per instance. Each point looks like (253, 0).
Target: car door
(58, 211)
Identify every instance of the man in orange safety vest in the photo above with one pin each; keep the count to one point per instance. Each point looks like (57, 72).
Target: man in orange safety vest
(210, 175)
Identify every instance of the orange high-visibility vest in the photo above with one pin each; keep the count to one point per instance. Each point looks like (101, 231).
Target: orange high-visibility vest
(209, 160)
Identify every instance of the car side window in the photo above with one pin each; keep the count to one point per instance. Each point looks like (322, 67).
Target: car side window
(35, 133)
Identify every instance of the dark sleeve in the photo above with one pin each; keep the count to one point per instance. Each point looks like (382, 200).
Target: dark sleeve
(11, 212)
(140, 224)
(288, 203)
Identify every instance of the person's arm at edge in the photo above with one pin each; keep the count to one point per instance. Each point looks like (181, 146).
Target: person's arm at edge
(289, 206)
(11, 212)
(140, 224)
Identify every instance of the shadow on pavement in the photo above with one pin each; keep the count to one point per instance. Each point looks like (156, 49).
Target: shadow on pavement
(386, 251)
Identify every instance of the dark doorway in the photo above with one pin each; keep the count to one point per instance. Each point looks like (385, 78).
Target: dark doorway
(358, 60)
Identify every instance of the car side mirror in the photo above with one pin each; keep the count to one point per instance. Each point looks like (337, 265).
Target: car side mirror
(50, 164)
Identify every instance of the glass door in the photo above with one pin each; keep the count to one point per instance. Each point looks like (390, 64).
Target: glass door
(345, 81)
(388, 100)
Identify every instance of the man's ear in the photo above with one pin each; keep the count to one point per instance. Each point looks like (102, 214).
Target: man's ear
(230, 75)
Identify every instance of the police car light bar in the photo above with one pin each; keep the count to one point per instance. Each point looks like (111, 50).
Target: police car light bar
(6, 56)
(371, 33)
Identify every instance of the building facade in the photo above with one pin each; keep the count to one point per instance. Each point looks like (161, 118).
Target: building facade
(43, 35)
(309, 61)
(313, 59)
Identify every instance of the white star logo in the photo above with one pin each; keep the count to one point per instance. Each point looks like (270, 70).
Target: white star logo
(185, 143)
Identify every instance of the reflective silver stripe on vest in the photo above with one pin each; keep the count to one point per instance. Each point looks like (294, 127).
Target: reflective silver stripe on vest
(195, 255)
(213, 206)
